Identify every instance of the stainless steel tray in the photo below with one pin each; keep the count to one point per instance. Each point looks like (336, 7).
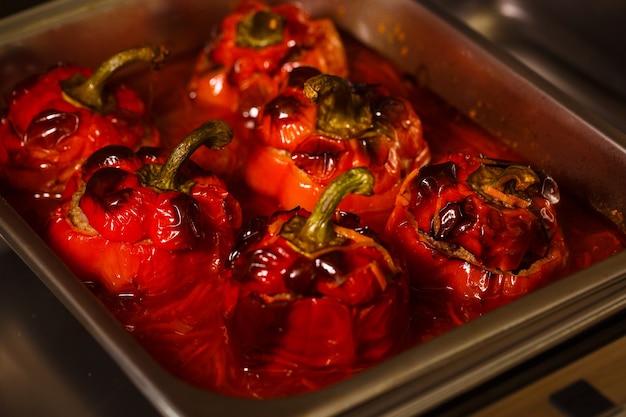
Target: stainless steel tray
(503, 96)
(569, 43)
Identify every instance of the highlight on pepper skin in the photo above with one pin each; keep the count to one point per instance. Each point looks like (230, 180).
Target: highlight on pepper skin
(146, 214)
(320, 126)
(55, 120)
(315, 290)
(284, 208)
(477, 232)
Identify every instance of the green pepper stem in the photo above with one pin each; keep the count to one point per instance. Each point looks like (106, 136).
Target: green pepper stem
(317, 231)
(260, 29)
(214, 134)
(510, 185)
(88, 92)
(341, 112)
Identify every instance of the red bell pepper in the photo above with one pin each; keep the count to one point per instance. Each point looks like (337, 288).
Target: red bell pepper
(243, 66)
(315, 291)
(136, 225)
(319, 127)
(256, 47)
(477, 233)
(56, 120)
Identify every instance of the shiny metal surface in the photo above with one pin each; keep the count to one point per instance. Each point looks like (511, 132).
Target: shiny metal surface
(36, 355)
(49, 364)
(576, 45)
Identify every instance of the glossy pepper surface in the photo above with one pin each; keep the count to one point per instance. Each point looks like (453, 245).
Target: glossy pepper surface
(56, 120)
(321, 126)
(315, 291)
(477, 232)
(138, 224)
(256, 47)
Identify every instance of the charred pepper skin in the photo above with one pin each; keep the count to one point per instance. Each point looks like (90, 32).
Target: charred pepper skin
(256, 47)
(322, 125)
(477, 233)
(140, 225)
(314, 290)
(54, 121)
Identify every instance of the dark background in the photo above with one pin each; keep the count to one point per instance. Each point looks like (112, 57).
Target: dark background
(8, 7)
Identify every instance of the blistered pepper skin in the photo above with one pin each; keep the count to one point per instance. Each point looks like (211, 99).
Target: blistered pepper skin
(314, 294)
(124, 229)
(46, 133)
(477, 233)
(319, 127)
(255, 49)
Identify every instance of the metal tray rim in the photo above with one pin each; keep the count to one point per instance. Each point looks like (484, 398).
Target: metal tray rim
(609, 289)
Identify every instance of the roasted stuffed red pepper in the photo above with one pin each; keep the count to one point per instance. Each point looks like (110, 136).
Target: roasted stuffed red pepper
(322, 125)
(315, 291)
(477, 232)
(138, 224)
(256, 47)
(56, 120)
